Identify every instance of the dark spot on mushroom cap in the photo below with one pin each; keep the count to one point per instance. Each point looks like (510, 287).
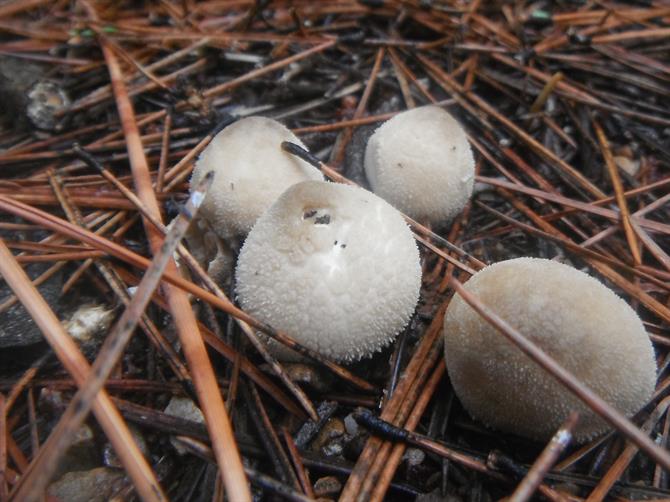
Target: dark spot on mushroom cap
(321, 216)
(311, 267)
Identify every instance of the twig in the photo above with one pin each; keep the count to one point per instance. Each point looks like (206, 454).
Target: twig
(209, 396)
(76, 364)
(618, 190)
(44, 465)
(558, 443)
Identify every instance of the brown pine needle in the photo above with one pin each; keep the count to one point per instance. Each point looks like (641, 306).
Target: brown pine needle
(558, 443)
(618, 190)
(116, 430)
(209, 395)
(45, 463)
(550, 95)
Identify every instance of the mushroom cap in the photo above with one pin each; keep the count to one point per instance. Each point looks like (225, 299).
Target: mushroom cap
(420, 161)
(332, 265)
(575, 319)
(251, 172)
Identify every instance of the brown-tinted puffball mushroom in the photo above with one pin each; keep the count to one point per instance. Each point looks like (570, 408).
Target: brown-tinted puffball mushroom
(333, 266)
(575, 319)
(420, 161)
(251, 171)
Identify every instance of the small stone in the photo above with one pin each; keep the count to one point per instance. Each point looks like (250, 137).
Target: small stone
(333, 449)
(183, 407)
(308, 375)
(627, 165)
(328, 485)
(45, 100)
(81, 455)
(330, 440)
(414, 457)
(350, 425)
(310, 429)
(109, 455)
(51, 401)
(89, 321)
(333, 429)
(567, 489)
(95, 485)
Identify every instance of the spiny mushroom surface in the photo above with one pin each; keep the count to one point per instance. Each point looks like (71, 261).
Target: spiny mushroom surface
(251, 171)
(332, 265)
(420, 161)
(575, 319)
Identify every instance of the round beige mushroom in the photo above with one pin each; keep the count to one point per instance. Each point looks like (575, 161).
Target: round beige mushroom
(575, 319)
(251, 171)
(420, 162)
(334, 266)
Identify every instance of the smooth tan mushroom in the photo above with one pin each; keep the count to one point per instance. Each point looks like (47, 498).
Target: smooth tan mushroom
(575, 319)
(332, 265)
(420, 162)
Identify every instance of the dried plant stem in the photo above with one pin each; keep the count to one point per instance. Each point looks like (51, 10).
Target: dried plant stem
(618, 190)
(583, 206)
(298, 465)
(533, 479)
(46, 462)
(397, 408)
(404, 435)
(395, 457)
(58, 225)
(645, 298)
(452, 86)
(218, 422)
(619, 466)
(116, 430)
(550, 95)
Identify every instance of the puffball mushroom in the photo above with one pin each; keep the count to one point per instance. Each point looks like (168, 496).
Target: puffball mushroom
(420, 162)
(251, 171)
(575, 319)
(333, 266)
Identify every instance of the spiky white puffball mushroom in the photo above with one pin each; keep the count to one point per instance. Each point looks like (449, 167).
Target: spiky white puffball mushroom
(251, 171)
(575, 319)
(332, 265)
(420, 162)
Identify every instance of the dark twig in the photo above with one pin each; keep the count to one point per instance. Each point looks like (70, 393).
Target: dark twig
(558, 443)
